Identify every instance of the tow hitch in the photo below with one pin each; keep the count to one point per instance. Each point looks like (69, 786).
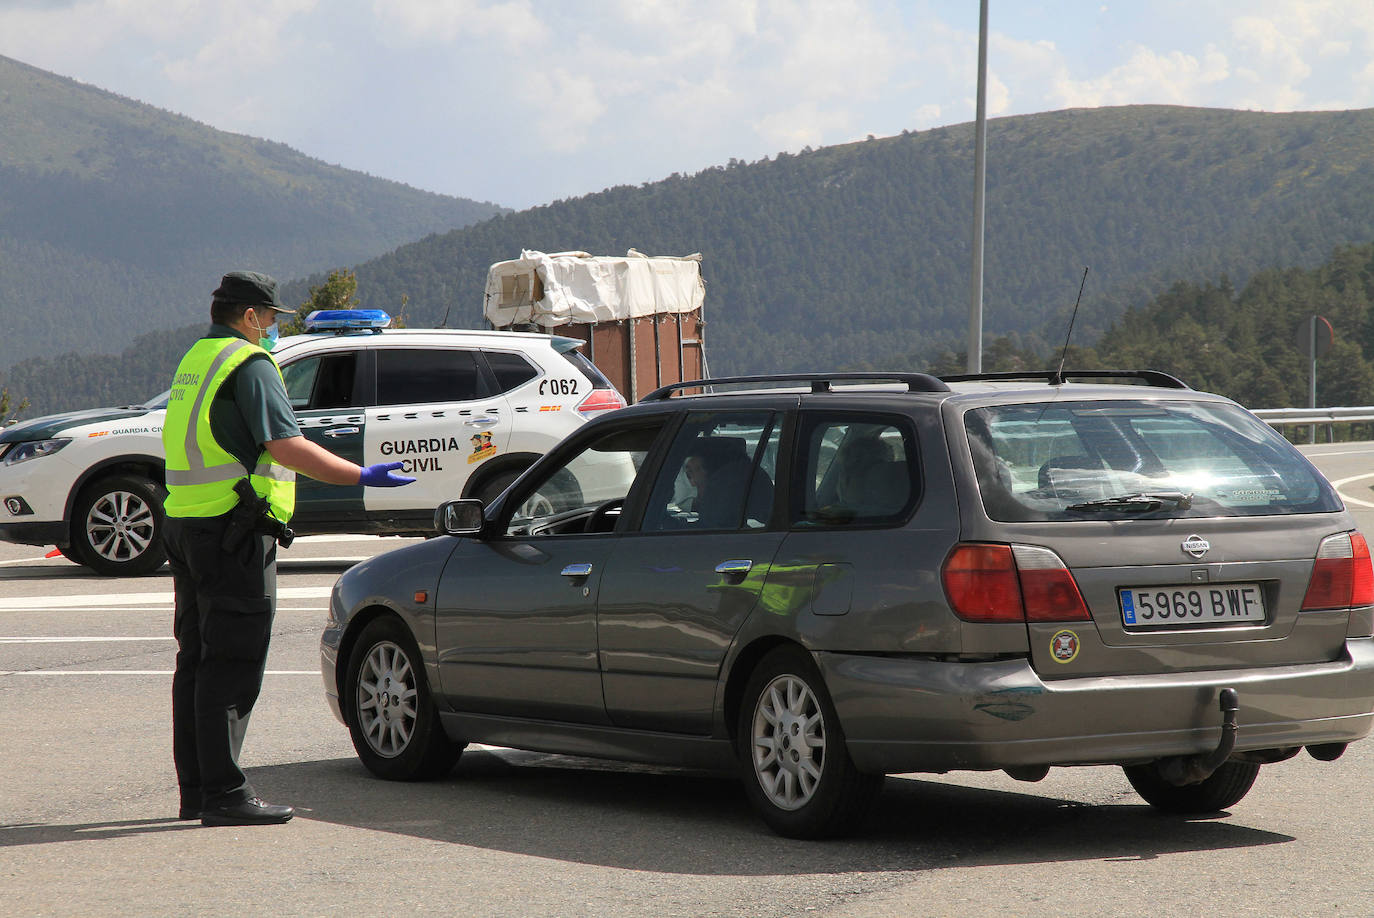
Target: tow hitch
(1182, 770)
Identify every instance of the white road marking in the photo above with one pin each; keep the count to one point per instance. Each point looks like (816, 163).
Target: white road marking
(350, 560)
(165, 597)
(345, 537)
(1347, 498)
(281, 559)
(57, 606)
(300, 540)
(1320, 449)
(76, 639)
(136, 672)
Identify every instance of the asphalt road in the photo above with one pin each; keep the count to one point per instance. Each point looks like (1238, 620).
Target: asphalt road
(88, 800)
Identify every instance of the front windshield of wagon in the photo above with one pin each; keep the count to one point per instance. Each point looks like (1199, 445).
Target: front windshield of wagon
(1126, 459)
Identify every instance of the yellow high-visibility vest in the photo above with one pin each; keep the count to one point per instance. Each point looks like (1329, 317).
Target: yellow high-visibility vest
(200, 472)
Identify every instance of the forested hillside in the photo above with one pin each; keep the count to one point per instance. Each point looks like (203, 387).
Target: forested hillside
(1242, 344)
(861, 252)
(117, 217)
(858, 255)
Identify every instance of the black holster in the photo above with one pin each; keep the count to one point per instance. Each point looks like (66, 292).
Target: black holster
(253, 514)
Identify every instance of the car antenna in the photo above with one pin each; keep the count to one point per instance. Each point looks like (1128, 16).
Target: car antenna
(1058, 378)
(443, 294)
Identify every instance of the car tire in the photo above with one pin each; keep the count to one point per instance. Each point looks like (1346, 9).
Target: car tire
(116, 526)
(561, 493)
(492, 488)
(792, 754)
(389, 709)
(1221, 790)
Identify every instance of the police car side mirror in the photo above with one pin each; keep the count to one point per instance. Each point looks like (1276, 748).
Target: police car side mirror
(459, 518)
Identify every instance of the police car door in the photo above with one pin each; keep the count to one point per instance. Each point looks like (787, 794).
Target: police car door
(327, 393)
(434, 411)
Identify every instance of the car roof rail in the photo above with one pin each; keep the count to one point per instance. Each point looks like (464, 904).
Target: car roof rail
(820, 382)
(1059, 377)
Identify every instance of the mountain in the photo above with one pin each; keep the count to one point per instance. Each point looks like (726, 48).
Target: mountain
(117, 217)
(858, 255)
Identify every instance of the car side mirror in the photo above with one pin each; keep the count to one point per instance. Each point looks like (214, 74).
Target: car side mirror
(459, 517)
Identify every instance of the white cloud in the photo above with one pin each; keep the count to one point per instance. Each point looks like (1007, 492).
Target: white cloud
(444, 21)
(1287, 44)
(1148, 76)
(790, 71)
(521, 101)
(563, 107)
(245, 41)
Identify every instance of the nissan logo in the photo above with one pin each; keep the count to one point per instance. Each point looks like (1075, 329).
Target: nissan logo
(1196, 546)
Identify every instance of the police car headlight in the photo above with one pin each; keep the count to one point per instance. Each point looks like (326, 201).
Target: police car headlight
(33, 449)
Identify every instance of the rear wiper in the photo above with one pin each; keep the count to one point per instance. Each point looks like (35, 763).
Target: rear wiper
(1142, 502)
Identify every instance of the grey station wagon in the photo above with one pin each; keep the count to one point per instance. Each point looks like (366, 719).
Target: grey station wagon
(818, 580)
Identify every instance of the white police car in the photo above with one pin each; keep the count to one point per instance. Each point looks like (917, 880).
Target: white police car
(466, 411)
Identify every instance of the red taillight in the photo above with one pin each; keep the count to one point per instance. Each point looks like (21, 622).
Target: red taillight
(1011, 583)
(980, 581)
(1342, 575)
(598, 401)
(1047, 587)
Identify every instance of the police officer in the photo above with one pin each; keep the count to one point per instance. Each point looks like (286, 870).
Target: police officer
(229, 420)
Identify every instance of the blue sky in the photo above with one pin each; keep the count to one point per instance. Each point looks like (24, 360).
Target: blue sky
(523, 102)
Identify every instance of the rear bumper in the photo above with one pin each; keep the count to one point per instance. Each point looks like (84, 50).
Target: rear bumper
(904, 715)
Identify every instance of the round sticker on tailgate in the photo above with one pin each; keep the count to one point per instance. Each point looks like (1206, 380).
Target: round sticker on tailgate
(1064, 646)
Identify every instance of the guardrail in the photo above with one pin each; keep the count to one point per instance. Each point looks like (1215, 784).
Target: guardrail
(1281, 417)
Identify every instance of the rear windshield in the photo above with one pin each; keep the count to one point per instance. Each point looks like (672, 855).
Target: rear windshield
(1125, 459)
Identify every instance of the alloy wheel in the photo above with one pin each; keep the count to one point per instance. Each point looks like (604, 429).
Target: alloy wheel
(120, 526)
(387, 699)
(788, 742)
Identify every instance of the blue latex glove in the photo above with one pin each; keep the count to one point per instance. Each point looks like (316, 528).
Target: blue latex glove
(383, 475)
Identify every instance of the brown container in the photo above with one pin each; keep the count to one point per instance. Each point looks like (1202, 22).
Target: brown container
(639, 355)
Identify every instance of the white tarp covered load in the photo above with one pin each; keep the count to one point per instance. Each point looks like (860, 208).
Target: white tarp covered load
(566, 287)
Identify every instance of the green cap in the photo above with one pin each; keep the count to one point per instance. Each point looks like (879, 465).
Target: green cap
(249, 288)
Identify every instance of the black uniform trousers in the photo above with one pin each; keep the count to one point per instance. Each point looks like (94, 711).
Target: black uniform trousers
(225, 602)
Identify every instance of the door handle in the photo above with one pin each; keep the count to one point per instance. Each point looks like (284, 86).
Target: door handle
(735, 570)
(482, 422)
(336, 432)
(576, 571)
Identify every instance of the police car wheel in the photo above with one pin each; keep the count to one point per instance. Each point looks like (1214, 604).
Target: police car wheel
(492, 488)
(116, 527)
(390, 713)
(559, 493)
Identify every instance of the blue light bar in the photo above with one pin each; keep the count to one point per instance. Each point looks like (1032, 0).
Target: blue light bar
(347, 320)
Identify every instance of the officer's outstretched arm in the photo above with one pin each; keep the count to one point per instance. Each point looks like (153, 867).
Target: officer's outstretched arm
(306, 458)
(301, 455)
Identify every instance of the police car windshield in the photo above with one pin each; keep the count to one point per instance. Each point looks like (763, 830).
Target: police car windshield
(158, 401)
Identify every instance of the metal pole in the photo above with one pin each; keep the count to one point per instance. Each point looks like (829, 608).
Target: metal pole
(1312, 381)
(980, 142)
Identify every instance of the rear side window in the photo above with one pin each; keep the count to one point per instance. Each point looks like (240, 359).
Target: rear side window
(415, 376)
(854, 471)
(587, 369)
(511, 370)
(1125, 459)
